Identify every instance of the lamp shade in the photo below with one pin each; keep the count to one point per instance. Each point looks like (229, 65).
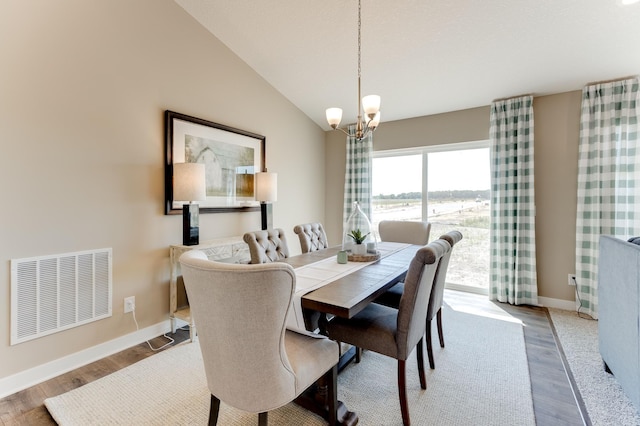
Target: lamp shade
(371, 105)
(334, 115)
(189, 182)
(267, 186)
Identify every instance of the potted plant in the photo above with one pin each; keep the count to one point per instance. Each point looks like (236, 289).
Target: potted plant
(358, 238)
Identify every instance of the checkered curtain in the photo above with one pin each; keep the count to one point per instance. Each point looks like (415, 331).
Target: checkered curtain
(513, 243)
(357, 179)
(608, 177)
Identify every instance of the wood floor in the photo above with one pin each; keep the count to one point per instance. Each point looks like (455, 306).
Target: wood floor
(554, 401)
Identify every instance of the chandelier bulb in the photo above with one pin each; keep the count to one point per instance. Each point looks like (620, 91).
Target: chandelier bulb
(371, 105)
(334, 116)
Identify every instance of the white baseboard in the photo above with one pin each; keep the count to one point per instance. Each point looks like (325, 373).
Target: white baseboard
(31, 377)
(548, 302)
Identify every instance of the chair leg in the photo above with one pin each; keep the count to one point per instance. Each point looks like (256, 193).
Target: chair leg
(331, 379)
(402, 391)
(420, 357)
(439, 321)
(432, 363)
(262, 419)
(358, 354)
(213, 411)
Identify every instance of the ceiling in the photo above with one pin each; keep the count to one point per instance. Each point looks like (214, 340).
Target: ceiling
(425, 57)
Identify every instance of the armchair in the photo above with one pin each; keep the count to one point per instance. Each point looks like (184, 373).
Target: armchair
(252, 362)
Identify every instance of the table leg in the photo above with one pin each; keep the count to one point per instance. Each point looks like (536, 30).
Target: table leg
(315, 398)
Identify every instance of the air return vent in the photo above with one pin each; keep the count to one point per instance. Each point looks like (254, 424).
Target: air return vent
(54, 293)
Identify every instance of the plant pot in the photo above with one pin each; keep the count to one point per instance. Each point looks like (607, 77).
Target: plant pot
(359, 249)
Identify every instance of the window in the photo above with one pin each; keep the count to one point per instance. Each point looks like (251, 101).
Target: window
(449, 186)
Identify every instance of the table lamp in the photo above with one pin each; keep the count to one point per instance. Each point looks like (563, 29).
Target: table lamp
(266, 193)
(189, 186)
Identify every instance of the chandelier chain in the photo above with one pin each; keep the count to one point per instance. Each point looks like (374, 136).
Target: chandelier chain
(359, 30)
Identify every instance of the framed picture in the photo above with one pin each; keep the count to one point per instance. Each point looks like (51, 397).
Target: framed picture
(231, 157)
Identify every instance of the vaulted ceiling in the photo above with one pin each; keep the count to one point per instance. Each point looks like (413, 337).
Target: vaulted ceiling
(425, 56)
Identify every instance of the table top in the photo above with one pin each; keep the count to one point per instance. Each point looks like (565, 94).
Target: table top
(347, 296)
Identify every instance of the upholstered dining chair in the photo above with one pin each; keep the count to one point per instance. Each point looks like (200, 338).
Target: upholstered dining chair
(404, 231)
(312, 237)
(267, 246)
(251, 360)
(396, 332)
(392, 296)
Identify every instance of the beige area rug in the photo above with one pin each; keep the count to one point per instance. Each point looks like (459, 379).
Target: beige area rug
(604, 399)
(481, 378)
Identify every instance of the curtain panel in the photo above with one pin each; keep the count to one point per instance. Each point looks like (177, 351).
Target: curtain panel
(608, 178)
(513, 245)
(357, 179)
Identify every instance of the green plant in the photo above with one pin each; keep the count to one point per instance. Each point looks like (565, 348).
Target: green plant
(357, 236)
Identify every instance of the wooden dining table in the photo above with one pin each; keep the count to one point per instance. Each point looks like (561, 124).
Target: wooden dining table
(349, 294)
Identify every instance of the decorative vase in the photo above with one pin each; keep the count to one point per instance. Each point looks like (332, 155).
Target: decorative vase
(357, 224)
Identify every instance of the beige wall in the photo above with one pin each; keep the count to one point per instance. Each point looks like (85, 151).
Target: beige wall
(83, 88)
(556, 162)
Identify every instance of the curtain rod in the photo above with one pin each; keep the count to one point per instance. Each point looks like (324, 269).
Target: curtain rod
(612, 81)
(511, 97)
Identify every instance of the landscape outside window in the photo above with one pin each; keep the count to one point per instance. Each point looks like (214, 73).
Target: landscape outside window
(456, 195)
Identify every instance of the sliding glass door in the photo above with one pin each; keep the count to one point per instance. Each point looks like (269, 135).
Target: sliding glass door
(448, 186)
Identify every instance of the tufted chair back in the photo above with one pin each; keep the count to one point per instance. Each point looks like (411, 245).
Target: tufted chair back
(267, 246)
(312, 237)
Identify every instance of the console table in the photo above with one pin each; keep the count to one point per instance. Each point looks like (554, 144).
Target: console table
(230, 250)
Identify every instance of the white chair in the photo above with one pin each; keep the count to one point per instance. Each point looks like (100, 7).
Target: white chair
(404, 231)
(252, 362)
(312, 237)
(267, 246)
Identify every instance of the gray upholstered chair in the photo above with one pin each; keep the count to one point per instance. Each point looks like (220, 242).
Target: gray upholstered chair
(267, 246)
(396, 332)
(312, 237)
(392, 296)
(252, 362)
(404, 231)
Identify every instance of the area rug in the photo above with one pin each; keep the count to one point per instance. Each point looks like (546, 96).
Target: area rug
(481, 378)
(603, 398)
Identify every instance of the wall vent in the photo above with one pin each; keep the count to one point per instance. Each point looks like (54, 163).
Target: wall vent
(55, 293)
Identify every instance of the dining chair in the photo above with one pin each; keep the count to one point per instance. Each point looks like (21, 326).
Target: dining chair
(396, 332)
(392, 296)
(252, 361)
(404, 231)
(312, 237)
(267, 246)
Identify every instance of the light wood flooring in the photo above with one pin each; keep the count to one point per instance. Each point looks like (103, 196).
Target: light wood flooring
(554, 401)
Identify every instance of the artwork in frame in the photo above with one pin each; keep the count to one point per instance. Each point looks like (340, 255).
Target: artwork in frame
(231, 157)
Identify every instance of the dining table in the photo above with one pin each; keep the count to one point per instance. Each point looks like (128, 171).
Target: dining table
(335, 289)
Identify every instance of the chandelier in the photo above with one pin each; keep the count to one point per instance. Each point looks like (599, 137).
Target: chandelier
(370, 103)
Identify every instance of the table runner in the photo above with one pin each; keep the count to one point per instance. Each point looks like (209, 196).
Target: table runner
(315, 275)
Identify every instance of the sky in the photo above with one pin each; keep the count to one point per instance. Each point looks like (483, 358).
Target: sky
(449, 170)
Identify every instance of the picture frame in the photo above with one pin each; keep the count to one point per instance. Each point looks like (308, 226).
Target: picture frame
(231, 157)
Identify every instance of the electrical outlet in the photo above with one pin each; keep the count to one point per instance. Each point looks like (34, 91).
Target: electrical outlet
(129, 304)
(571, 279)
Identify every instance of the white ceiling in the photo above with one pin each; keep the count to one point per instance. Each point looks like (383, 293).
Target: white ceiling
(425, 56)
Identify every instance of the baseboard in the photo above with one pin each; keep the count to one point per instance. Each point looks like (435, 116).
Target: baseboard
(33, 376)
(548, 302)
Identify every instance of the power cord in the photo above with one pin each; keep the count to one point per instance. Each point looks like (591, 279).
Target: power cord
(171, 340)
(580, 314)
